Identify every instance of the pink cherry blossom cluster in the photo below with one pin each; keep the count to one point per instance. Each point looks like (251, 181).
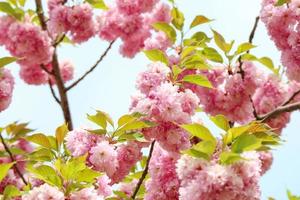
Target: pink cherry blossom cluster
(164, 182)
(210, 180)
(131, 21)
(78, 20)
(235, 95)
(32, 46)
(282, 23)
(6, 88)
(231, 92)
(115, 160)
(165, 104)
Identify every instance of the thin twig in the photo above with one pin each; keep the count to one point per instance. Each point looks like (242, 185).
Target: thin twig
(53, 92)
(291, 98)
(252, 34)
(254, 109)
(145, 172)
(46, 70)
(92, 68)
(250, 40)
(13, 160)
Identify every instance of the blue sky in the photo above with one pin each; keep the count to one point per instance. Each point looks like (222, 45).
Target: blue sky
(109, 88)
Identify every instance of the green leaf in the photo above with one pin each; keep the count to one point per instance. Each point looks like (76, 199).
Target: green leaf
(8, 9)
(87, 175)
(200, 19)
(7, 60)
(212, 54)
(208, 147)
(156, 55)
(40, 139)
(45, 173)
(60, 133)
(221, 121)
(167, 29)
(221, 43)
(198, 79)
(121, 194)
(101, 119)
(176, 71)
(4, 167)
(291, 196)
(199, 131)
(99, 4)
(244, 48)
(281, 2)
(228, 158)
(264, 60)
(177, 18)
(197, 154)
(246, 142)
(11, 191)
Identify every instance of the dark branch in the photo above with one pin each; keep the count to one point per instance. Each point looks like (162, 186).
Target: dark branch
(254, 109)
(64, 102)
(13, 160)
(145, 172)
(252, 34)
(53, 93)
(291, 98)
(92, 68)
(282, 109)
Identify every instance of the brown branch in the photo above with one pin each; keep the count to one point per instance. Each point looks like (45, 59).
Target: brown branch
(64, 103)
(13, 160)
(255, 114)
(252, 34)
(281, 109)
(92, 68)
(53, 93)
(145, 172)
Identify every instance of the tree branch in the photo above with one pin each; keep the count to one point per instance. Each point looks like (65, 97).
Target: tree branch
(252, 34)
(64, 103)
(291, 98)
(281, 109)
(13, 160)
(145, 172)
(53, 92)
(92, 68)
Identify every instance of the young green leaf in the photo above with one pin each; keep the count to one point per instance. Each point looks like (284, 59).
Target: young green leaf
(7, 60)
(246, 142)
(244, 48)
(99, 4)
(10, 192)
(199, 131)
(40, 139)
(60, 133)
(4, 167)
(221, 43)
(167, 29)
(198, 79)
(200, 19)
(212, 54)
(177, 18)
(221, 121)
(228, 158)
(156, 55)
(281, 2)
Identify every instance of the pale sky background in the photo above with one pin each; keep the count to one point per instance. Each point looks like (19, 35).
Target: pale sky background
(110, 86)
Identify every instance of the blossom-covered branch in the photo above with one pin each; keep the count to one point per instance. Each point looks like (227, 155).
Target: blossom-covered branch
(64, 102)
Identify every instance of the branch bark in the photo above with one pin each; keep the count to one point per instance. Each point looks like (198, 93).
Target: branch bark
(13, 160)
(64, 103)
(145, 172)
(282, 109)
(92, 68)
